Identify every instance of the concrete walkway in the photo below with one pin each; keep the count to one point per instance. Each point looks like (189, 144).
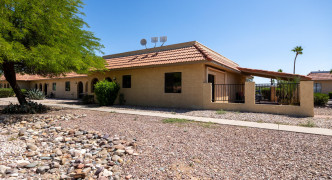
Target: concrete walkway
(319, 131)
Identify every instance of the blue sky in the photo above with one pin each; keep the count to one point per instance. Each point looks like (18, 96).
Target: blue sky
(254, 33)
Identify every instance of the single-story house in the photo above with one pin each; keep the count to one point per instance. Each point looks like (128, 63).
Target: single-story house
(185, 75)
(322, 81)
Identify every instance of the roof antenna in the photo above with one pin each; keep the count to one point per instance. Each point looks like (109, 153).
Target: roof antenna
(163, 39)
(143, 43)
(154, 40)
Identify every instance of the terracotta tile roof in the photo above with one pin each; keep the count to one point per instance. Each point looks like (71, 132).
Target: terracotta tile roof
(27, 77)
(177, 53)
(321, 76)
(271, 74)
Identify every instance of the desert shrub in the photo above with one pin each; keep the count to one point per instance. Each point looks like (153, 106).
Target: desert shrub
(6, 92)
(88, 99)
(320, 99)
(330, 95)
(29, 108)
(106, 92)
(35, 94)
(122, 100)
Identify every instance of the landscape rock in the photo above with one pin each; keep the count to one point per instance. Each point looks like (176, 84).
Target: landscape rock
(48, 151)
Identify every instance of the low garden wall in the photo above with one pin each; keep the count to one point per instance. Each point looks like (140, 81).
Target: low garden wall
(306, 107)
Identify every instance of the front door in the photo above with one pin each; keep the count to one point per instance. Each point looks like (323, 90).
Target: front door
(211, 80)
(80, 90)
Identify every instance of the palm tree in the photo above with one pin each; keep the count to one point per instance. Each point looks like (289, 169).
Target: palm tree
(298, 50)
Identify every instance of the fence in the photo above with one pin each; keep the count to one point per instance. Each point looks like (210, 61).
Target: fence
(281, 93)
(228, 93)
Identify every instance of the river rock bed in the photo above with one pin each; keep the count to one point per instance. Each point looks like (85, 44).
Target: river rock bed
(34, 147)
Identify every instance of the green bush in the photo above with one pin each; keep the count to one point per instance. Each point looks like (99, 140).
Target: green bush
(106, 92)
(29, 108)
(24, 91)
(320, 99)
(35, 94)
(6, 92)
(330, 95)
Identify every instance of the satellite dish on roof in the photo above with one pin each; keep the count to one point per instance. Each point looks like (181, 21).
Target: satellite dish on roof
(154, 40)
(163, 39)
(143, 42)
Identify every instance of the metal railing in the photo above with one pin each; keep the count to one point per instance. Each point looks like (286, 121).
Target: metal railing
(230, 93)
(281, 93)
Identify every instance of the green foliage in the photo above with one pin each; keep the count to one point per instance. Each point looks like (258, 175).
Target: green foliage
(122, 100)
(221, 111)
(175, 120)
(320, 99)
(6, 92)
(106, 92)
(330, 95)
(35, 94)
(308, 124)
(47, 38)
(29, 108)
(88, 99)
(298, 50)
(24, 91)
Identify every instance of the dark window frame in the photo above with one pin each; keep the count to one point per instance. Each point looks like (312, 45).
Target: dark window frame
(173, 82)
(126, 81)
(54, 86)
(67, 86)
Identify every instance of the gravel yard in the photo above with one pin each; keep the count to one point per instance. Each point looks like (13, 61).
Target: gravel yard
(192, 150)
(322, 119)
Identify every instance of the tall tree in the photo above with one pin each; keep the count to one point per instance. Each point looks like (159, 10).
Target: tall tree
(298, 50)
(45, 37)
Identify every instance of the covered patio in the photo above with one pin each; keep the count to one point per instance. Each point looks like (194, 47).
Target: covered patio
(290, 94)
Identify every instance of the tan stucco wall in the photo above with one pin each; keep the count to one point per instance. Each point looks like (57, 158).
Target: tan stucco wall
(147, 86)
(60, 87)
(22, 84)
(4, 84)
(306, 107)
(326, 86)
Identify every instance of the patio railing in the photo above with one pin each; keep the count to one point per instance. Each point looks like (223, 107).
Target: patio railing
(228, 93)
(282, 93)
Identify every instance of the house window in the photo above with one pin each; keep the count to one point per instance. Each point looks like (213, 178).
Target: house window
(93, 82)
(54, 86)
(36, 86)
(126, 81)
(40, 87)
(317, 88)
(173, 82)
(67, 86)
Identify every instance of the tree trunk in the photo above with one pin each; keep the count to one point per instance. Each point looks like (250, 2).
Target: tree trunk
(10, 75)
(294, 63)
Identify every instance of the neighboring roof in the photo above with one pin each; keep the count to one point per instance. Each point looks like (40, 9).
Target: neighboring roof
(272, 74)
(177, 53)
(27, 77)
(321, 75)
